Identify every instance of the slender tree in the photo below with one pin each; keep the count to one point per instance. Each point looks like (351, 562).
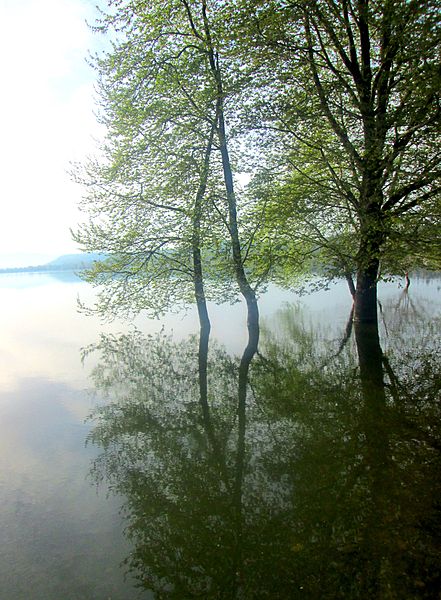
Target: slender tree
(163, 198)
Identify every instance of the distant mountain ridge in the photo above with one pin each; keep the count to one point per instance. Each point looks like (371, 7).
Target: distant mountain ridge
(65, 262)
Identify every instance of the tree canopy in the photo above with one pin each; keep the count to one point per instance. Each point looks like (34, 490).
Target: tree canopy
(163, 188)
(355, 108)
(331, 106)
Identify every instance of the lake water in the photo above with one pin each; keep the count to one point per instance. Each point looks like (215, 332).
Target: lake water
(309, 489)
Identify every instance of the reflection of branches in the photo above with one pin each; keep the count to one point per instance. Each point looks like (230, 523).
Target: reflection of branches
(176, 448)
(162, 436)
(280, 479)
(394, 386)
(347, 334)
(374, 444)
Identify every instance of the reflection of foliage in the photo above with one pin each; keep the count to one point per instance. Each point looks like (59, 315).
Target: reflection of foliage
(366, 471)
(339, 489)
(178, 488)
(410, 322)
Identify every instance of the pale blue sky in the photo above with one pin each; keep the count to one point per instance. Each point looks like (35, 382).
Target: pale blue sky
(46, 112)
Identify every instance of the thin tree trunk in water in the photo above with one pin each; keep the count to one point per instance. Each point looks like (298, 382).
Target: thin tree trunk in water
(242, 280)
(198, 280)
(204, 319)
(198, 283)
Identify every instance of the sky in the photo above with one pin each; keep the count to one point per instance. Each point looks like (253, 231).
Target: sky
(46, 122)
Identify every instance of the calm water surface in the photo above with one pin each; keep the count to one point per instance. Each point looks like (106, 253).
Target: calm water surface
(304, 473)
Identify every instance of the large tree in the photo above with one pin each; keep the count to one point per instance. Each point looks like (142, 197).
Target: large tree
(355, 115)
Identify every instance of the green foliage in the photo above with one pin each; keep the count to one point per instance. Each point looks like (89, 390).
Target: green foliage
(333, 110)
(351, 115)
(155, 181)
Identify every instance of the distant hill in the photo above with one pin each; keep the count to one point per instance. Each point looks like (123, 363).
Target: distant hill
(66, 262)
(74, 261)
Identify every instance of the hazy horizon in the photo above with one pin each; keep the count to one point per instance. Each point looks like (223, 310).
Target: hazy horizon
(29, 259)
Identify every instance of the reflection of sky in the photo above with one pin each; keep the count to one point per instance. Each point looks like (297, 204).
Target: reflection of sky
(60, 539)
(42, 332)
(29, 280)
(331, 308)
(56, 532)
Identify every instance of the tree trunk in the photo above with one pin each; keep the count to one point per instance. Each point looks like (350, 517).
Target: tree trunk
(350, 283)
(198, 278)
(365, 301)
(245, 288)
(242, 280)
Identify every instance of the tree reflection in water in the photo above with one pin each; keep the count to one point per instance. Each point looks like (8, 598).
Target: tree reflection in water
(299, 472)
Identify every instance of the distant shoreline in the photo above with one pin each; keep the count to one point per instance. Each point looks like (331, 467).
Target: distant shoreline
(65, 263)
(40, 269)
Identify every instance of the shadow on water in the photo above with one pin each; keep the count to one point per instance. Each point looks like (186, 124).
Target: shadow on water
(308, 469)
